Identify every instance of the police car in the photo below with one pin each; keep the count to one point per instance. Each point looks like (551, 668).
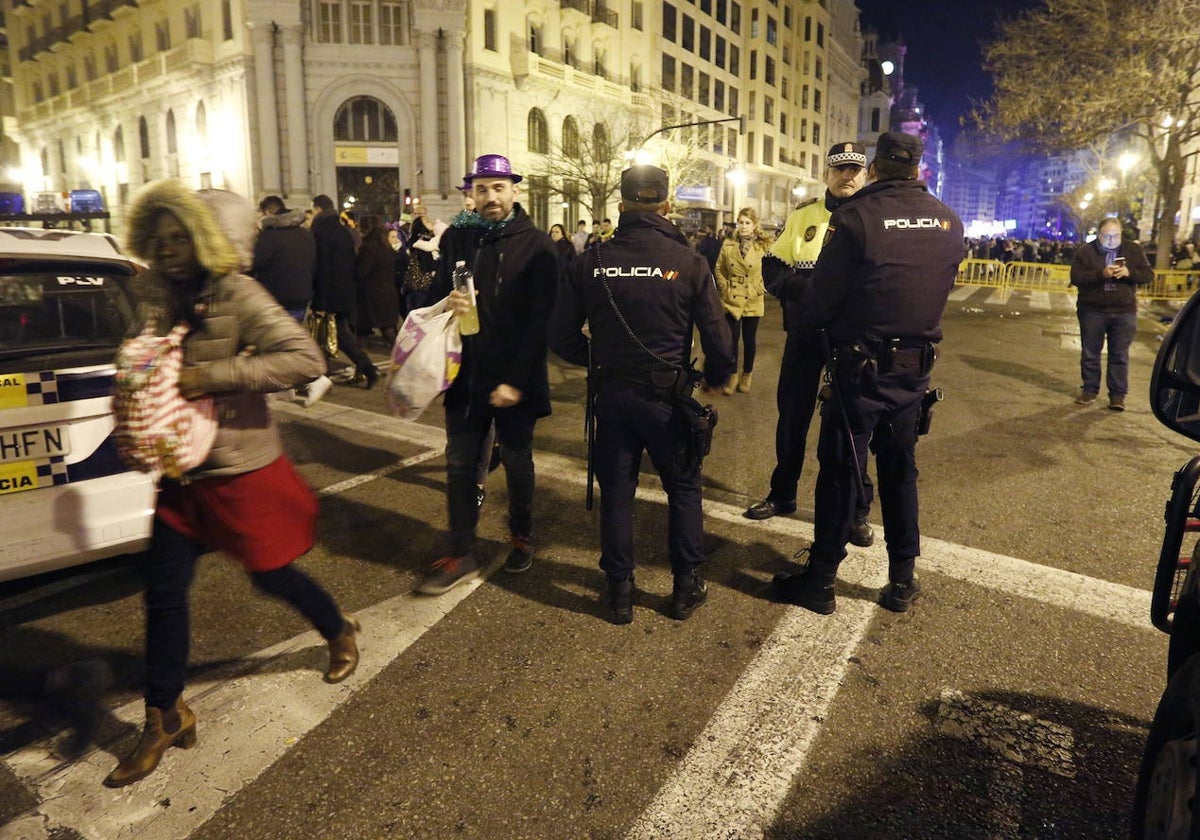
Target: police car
(65, 496)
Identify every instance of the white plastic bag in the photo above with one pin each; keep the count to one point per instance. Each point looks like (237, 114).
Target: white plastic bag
(425, 359)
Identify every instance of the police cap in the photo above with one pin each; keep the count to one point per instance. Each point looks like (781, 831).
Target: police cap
(899, 148)
(843, 154)
(644, 184)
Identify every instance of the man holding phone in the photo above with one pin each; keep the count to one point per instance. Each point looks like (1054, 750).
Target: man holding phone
(1107, 273)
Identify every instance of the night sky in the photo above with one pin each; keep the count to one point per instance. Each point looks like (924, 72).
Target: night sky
(943, 58)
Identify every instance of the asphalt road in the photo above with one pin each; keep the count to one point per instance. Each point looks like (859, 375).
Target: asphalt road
(1010, 703)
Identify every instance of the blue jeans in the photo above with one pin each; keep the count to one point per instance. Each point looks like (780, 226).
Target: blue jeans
(1118, 328)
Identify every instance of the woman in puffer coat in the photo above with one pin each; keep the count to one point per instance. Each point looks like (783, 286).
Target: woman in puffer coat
(740, 282)
(246, 499)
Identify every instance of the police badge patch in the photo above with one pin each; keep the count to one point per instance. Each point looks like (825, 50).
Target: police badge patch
(810, 233)
(828, 235)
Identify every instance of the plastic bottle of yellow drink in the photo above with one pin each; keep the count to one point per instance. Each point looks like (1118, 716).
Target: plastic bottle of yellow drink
(464, 282)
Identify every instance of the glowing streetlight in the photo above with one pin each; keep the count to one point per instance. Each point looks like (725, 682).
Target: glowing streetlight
(887, 67)
(737, 177)
(1105, 184)
(1088, 196)
(1127, 161)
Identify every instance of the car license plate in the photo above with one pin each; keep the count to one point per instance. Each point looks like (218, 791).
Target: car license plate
(34, 443)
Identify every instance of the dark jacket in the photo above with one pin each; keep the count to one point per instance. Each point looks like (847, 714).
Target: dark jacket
(333, 284)
(888, 266)
(515, 279)
(1087, 272)
(285, 258)
(565, 252)
(662, 288)
(375, 276)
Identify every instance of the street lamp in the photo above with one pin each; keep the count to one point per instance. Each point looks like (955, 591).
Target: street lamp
(1127, 161)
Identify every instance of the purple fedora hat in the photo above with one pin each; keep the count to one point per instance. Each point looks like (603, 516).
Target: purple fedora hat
(491, 166)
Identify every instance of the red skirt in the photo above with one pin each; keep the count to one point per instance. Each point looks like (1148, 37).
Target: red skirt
(264, 519)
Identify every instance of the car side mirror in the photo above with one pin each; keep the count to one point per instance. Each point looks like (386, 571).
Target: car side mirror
(1175, 380)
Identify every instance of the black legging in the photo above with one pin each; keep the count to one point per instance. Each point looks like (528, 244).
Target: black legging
(746, 326)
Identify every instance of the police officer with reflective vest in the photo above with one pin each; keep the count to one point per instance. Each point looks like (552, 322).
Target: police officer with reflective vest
(641, 293)
(879, 287)
(786, 273)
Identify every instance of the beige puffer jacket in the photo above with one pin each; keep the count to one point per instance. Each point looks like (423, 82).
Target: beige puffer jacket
(248, 346)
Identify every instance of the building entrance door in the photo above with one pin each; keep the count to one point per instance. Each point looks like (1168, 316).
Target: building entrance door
(370, 191)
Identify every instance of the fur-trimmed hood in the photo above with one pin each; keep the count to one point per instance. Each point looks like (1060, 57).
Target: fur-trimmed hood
(213, 249)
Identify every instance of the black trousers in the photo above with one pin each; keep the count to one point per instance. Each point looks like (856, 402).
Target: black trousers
(628, 422)
(348, 344)
(883, 417)
(465, 436)
(796, 399)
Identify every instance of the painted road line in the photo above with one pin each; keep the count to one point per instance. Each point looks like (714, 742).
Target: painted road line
(249, 715)
(736, 776)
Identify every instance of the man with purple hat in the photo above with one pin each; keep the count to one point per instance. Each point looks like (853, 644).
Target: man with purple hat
(890, 258)
(503, 379)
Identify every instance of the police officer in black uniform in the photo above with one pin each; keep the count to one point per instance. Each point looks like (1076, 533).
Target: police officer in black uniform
(641, 292)
(879, 288)
(787, 271)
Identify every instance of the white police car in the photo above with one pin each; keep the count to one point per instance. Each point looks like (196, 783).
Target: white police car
(65, 496)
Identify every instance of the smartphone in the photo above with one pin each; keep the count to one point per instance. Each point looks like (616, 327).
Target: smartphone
(1119, 261)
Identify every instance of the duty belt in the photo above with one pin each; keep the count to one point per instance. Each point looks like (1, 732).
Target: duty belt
(890, 354)
(658, 383)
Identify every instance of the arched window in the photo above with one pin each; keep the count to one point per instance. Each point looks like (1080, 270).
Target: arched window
(570, 141)
(601, 148)
(365, 119)
(172, 139)
(539, 136)
(119, 145)
(143, 138)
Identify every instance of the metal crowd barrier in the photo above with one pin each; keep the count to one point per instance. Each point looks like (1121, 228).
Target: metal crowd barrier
(1054, 277)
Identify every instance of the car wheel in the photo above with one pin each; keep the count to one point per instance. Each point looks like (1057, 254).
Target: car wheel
(1167, 779)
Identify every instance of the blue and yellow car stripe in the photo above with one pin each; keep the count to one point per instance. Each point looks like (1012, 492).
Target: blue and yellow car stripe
(20, 390)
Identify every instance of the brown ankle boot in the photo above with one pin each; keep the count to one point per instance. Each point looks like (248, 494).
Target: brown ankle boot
(154, 742)
(743, 385)
(343, 651)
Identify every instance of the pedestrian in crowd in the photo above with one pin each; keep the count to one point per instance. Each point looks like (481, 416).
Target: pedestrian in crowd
(787, 273)
(421, 250)
(640, 294)
(564, 251)
(333, 285)
(246, 499)
(284, 262)
(503, 378)
(285, 256)
(580, 237)
(74, 690)
(879, 288)
(709, 245)
(1107, 273)
(375, 278)
(606, 230)
(740, 282)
